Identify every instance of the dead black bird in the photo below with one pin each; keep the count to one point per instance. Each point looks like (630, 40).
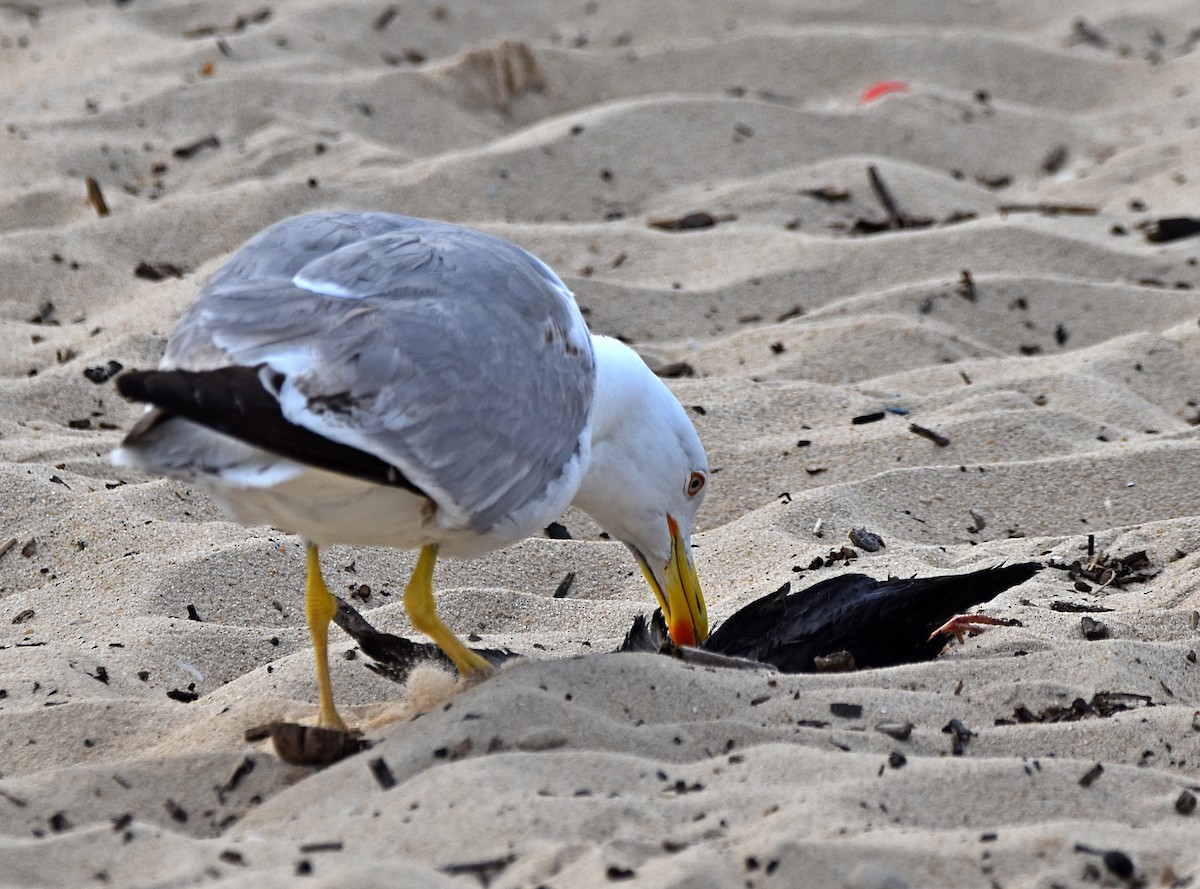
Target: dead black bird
(880, 623)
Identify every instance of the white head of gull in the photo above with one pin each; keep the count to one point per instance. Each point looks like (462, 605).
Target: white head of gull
(379, 380)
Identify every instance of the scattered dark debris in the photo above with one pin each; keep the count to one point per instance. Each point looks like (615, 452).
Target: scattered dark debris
(966, 286)
(896, 759)
(1077, 608)
(186, 152)
(557, 531)
(484, 871)
(158, 271)
(23, 615)
(1185, 803)
(936, 437)
(1055, 160)
(994, 180)
(385, 18)
(310, 745)
(184, 697)
(901, 731)
(868, 541)
(1118, 864)
(239, 773)
(830, 194)
(326, 846)
(104, 372)
(1106, 570)
(1049, 209)
(688, 222)
(863, 419)
(95, 197)
(959, 735)
(615, 873)
(846, 711)
(1091, 775)
(1061, 334)
(232, 856)
(242, 22)
(675, 370)
(564, 586)
(101, 674)
(1162, 231)
(1093, 630)
(1102, 704)
(381, 773)
(177, 812)
(896, 219)
(1083, 32)
(192, 613)
(46, 314)
(59, 822)
(29, 550)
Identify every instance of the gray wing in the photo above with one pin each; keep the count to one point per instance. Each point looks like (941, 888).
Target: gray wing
(451, 354)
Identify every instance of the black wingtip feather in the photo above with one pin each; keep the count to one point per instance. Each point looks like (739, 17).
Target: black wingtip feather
(235, 402)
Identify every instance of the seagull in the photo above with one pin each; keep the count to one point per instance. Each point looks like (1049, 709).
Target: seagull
(372, 379)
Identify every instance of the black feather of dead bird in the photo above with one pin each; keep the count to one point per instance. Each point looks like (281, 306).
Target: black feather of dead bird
(394, 656)
(881, 623)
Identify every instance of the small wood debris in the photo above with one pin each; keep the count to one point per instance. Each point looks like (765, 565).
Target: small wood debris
(381, 773)
(310, 745)
(1102, 704)
(686, 222)
(95, 197)
(936, 437)
(1093, 630)
(564, 586)
(158, 271)
(1091, 775)
(484, 871)
(901, 731)
(846, 711)
(186, 152)
(863, 419)
(557, 531)
(830, 194)
(242, 22)
(1106, 570)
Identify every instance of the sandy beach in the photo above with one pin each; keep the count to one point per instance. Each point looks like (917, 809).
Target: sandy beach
(927, 269)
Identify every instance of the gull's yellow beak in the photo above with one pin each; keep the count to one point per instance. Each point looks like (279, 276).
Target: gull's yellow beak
(679, 594)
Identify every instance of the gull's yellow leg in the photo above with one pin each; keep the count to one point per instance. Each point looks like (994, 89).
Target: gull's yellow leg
(319, 608)
(418, 600)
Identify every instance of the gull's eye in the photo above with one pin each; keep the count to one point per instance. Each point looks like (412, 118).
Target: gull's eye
(695, 484)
